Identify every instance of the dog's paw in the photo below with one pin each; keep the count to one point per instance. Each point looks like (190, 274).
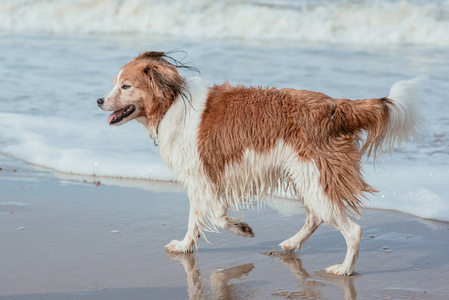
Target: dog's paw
(244, 229)
(178, 246)
(240, 228)
(339, 270)
(289, 245)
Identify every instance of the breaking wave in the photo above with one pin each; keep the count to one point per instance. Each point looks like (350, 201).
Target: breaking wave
(379, 22)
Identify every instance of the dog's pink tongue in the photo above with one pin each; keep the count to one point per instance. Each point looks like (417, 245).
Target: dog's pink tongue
(115, 114)
(111, 117)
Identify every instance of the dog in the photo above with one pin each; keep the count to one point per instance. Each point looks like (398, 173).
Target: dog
(232, 146)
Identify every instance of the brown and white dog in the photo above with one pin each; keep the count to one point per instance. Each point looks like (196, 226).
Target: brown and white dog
(230, 145)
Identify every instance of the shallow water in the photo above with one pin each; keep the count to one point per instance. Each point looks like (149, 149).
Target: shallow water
(48, 113)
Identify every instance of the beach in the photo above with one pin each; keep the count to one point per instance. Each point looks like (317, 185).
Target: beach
(84, 237)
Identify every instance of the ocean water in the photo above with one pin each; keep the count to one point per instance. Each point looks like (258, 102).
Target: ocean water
(58, 57)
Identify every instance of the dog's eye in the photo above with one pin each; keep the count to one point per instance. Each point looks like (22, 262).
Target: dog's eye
(125, 86)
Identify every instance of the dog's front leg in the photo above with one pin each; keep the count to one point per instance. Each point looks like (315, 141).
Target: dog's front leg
(195, 224)
(186, 245)
(233, 225)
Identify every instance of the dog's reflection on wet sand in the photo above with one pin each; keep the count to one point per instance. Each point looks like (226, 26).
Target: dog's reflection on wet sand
(311, 287)
(219, 286)
(308, 287)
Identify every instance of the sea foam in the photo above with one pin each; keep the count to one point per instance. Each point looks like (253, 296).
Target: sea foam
(74, 147)
(379, 22)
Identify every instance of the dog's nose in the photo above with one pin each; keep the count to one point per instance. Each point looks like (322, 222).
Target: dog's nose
(100, 101)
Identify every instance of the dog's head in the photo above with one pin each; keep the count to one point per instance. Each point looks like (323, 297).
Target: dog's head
(144, 89)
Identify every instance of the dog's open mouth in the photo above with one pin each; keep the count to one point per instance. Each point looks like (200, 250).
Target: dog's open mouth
(119, 115)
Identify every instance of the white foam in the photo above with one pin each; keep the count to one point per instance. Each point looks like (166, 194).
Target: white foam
(379, 22)
(415, 189)
(75, 147)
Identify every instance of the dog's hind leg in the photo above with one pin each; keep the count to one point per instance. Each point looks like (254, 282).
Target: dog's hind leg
(352, 233)
(295, 242)
(233, 225)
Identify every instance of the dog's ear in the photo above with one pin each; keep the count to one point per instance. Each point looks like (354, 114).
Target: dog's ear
(165, 81)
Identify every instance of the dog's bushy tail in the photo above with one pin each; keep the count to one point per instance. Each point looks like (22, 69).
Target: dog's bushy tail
(388, 121)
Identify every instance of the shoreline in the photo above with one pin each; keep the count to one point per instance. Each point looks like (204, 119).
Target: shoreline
(63, 238)
(144, 184)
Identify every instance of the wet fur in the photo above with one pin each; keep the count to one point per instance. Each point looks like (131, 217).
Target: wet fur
(232, 145)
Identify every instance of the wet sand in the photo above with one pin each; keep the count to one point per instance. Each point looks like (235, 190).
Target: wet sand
(79, 237)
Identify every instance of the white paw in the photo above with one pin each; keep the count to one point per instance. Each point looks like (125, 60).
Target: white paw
(289, 245)
(179, 246)
(339, 270)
